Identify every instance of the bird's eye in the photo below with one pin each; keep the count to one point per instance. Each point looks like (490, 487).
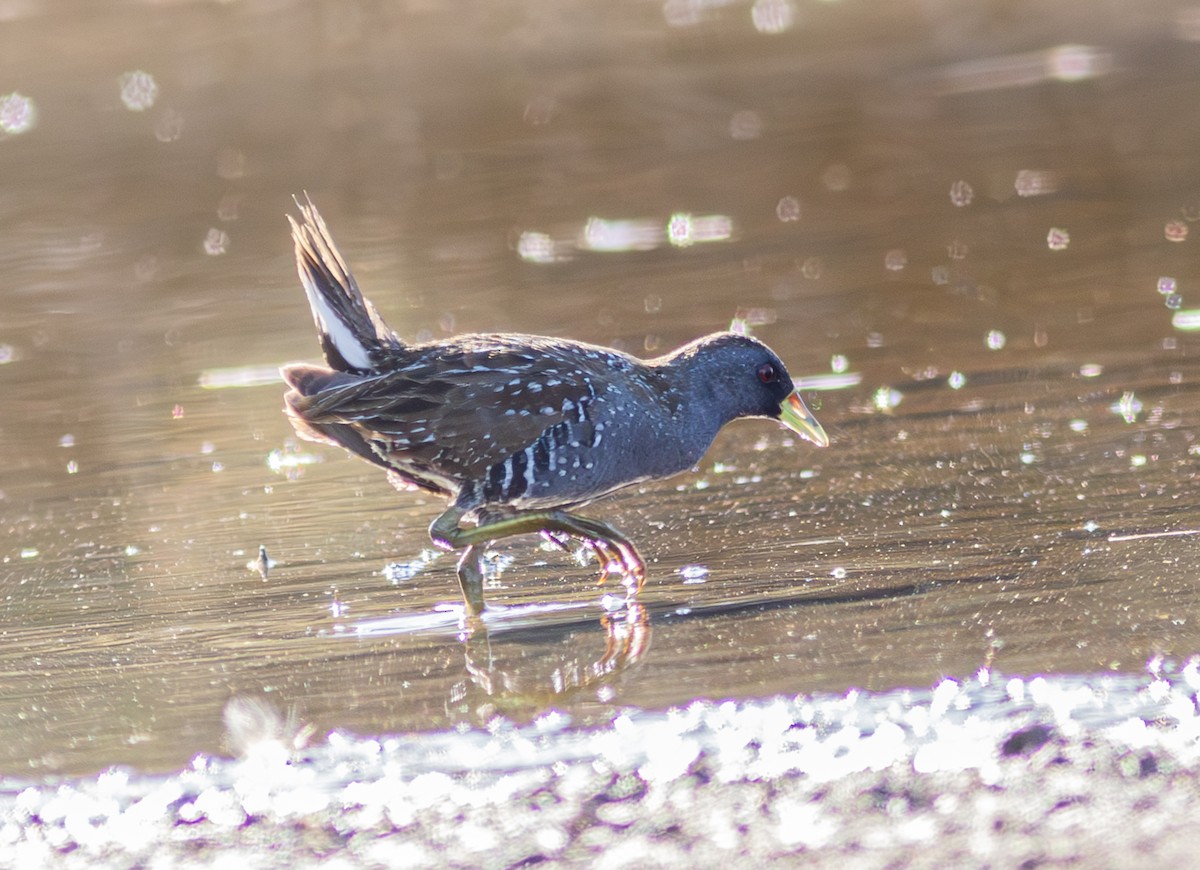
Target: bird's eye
(767, 373)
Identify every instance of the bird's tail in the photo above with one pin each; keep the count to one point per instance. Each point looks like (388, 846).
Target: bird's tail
(353, 336)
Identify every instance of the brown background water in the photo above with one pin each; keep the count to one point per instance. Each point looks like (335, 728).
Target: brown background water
(981, 505)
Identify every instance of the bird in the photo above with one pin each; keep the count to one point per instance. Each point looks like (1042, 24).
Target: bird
(517, 431)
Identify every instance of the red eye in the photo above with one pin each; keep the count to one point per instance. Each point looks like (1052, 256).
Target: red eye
(767, 373)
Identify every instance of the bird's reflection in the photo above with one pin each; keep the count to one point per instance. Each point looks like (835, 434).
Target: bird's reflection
(494, 684)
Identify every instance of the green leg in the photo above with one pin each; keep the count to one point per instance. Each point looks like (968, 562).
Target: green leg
(470, 578)
(609, 545)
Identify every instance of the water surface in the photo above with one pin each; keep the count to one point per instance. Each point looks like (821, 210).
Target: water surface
(970, 236)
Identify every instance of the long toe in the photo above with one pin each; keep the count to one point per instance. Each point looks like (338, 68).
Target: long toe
(558, 539)
(618, 556)
(607, 555)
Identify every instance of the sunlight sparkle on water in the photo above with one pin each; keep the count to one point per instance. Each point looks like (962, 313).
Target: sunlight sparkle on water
(236, 376)
(838, 363)
(17, 114)
(1186, 321)
(887, 398)
(772, 16)
(1035, 182)
(1076, 63)
(841, 381)
(612, 603)
(216, 242)
(401, 572)
(961, 193)
(995, 340)
(895, 260)
(1128, 407)
(957, 380)
(1058, 239)
(289, 461)
(684, 13)
(534, 247)
(1166, 285)
(788, 209)
(1068, 63)
(139, 90)
(693, 574)
(684, 229)
(1175, 231)
(632, 234)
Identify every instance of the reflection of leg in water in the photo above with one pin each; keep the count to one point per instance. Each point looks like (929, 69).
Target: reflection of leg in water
(626, 640)
(518, 690)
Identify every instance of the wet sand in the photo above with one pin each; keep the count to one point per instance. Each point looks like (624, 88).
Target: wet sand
(993, 772)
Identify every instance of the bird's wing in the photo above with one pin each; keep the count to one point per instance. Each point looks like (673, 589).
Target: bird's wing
(462, 411)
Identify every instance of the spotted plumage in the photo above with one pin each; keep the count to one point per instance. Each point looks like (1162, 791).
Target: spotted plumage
(514, 429)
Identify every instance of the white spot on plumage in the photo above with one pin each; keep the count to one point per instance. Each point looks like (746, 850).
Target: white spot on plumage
(508, 472)
(347, 343)
(529, 468)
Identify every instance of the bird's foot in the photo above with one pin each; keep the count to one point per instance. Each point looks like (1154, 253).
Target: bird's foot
(616, 555)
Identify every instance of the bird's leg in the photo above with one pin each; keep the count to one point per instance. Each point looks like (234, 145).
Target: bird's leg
(609, 545)
(470, 578)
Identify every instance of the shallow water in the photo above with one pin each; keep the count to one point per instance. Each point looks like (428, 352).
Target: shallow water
(970, 245)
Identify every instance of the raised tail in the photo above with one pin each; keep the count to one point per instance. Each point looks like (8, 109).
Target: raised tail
(353, 336)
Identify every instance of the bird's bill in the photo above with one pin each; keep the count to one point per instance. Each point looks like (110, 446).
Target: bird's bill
(794, 414)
